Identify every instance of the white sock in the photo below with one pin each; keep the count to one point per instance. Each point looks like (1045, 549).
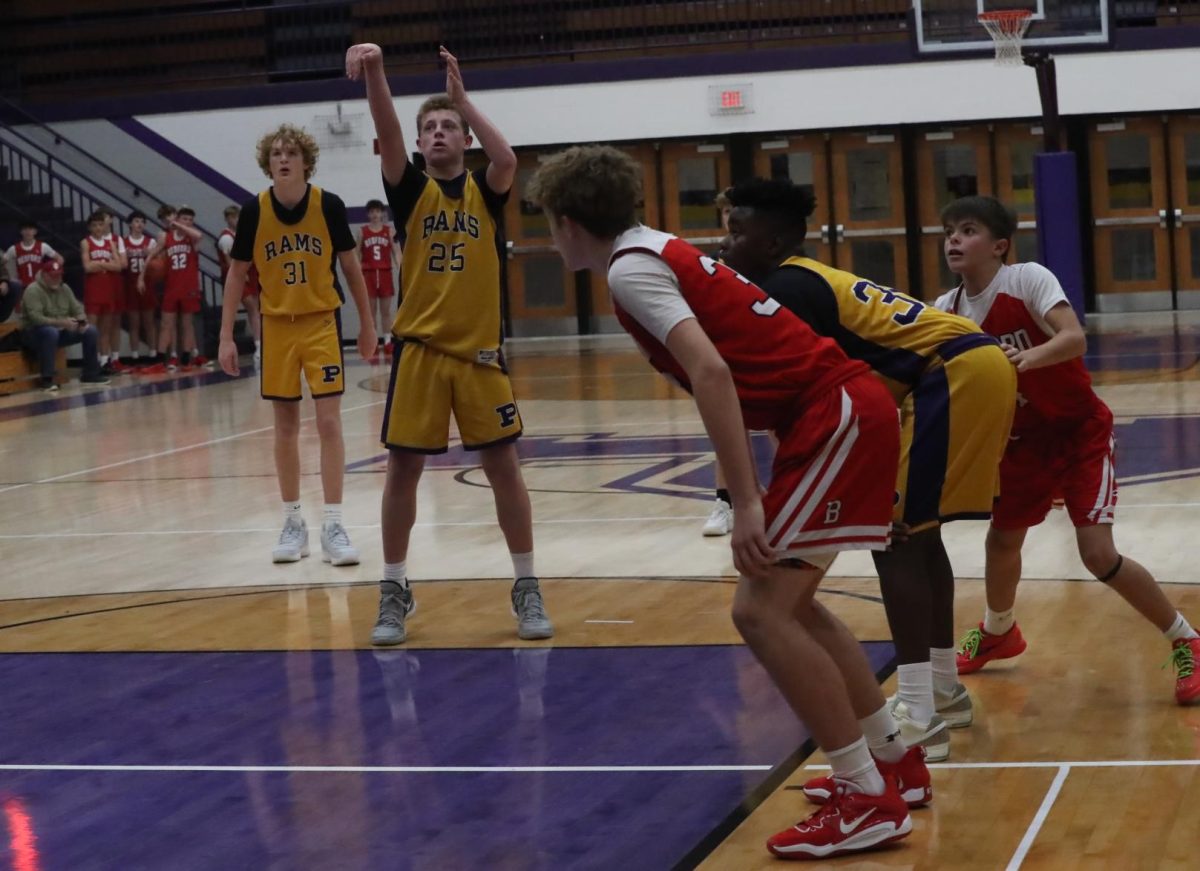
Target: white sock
(1180, 629)
(397, 573)
(853, 764)
(998, 622)
(103, 358)
(291, 511)
(945, 668)
(916, 691)
(883, 735)
(331, 514)
(522, 565)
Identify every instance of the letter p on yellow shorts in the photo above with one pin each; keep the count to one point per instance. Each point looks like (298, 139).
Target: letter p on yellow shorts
(308, 344)
(428, 385)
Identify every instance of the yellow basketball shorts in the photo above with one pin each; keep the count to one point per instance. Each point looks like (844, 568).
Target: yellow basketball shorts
(954, 427)
(428, 385)
(308, 344)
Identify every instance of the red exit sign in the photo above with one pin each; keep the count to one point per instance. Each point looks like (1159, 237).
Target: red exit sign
(731, 99)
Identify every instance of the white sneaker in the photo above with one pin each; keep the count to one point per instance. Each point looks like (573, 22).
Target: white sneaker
(934, 736)
(293, 542)
(720, 521)
(336, 548)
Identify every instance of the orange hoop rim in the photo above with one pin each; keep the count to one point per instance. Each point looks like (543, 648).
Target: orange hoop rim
(1005, 17)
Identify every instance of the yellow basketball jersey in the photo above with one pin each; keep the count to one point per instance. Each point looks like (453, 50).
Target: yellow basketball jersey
(450, 273)
(898, 336)
(295, 261)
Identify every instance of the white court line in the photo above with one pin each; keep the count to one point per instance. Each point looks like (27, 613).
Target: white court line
(607, 621)
(1086, 763)
(1039, 818)
(179, 450)
(399, 769)
(689, 518)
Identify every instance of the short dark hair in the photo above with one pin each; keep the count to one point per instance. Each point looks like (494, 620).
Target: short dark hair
(780, 198)
(376, 204)
(97, 216)
(989, 211)
(186, 210)
(135, 214)
(30, 224)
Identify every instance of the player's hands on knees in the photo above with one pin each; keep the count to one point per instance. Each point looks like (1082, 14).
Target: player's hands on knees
(752, 553)
(367, 342)
(900, 533)
(227, 356)
(455, 89)
(358, 57)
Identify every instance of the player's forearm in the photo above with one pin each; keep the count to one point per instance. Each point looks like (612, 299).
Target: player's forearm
(392, 151)
(235, 283)
(1066, 345)
(494, 145)
(717, 402)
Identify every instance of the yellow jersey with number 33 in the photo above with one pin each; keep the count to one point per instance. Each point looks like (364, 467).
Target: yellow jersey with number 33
(295, 261)
(450, 274)
(897, 335)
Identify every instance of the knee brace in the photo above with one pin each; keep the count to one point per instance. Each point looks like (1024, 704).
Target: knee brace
(1112, 573)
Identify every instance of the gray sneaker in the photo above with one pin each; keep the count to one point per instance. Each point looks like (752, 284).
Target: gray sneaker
(954, 707)
(336, 548)
(530, 611)
(293, 542)
(395, 604)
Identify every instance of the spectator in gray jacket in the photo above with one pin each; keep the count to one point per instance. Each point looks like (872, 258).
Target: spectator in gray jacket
(52, 318)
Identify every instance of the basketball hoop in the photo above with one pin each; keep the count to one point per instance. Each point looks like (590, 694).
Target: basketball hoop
(1007, 28)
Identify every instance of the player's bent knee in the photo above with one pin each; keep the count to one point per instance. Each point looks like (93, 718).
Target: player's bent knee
(1104, 565)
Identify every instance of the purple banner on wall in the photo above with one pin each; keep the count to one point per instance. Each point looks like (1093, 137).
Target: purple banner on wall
(1056, 197)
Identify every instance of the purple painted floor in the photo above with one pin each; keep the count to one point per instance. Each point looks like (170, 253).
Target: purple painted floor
(259, 715)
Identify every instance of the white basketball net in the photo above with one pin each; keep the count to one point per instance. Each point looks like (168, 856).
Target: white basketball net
(1007, 28)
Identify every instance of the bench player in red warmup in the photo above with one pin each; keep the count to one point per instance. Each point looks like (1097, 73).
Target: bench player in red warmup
(748, 361)
(1061, 443)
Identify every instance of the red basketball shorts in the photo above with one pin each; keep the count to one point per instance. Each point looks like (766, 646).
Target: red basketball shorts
(834, 477)
(1074, 462)
(379, 283)
(183, 300)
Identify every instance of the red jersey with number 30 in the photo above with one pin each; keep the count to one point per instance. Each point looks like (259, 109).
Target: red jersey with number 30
(183, 264)
(777, 362)
(1013, 309)
(377, 248)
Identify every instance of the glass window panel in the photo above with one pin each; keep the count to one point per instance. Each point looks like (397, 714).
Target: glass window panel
(1191, 163)
(545, 286)
(697, 190)
(1129, 171)
(1025, 247)
(869, 175)
(533, 219)
(874, 259)
(1021, 170)
(954, 173)
(1194, 240)
(794, 165)
(1133, 255)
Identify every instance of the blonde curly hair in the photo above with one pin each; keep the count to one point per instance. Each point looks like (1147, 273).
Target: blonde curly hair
(289, 134)
(597, 186)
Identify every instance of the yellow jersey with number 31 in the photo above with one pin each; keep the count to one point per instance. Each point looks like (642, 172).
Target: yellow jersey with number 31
(295, 261)
(450, 274)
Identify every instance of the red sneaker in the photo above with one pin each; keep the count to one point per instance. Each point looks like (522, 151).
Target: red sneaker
(849, 822)
(199, 361)
(1184, 654)
(119, 368)
(912, 779)
(172, 364)
(978, 648)
(154, 369)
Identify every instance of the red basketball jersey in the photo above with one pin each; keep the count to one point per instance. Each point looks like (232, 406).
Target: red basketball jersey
(1012, 308)
(222, 257)
(101, 251)
(29, 260)
(377, 247)
(778, 363)
(135, 253)
(183, 264)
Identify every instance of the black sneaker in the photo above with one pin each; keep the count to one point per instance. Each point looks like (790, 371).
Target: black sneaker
(47, 385)
(98, 380)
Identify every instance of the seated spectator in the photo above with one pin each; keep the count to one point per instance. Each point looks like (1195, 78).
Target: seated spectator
(52, 318)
